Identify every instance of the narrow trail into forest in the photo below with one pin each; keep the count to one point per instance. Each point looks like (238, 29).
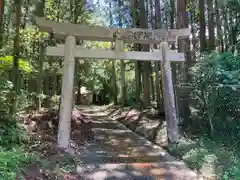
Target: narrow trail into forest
(117, 153)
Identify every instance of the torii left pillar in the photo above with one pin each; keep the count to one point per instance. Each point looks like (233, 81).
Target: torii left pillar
(64, 128)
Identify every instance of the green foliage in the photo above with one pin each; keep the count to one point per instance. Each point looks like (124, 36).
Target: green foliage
(12, 134)
(203, 152)
(216, 88)
(55, 101)
(7, 63)
(11, 160)
(5, 90)
(10, 131)
(215, 107)
(234, 5)
(131, 93)
(233, 173)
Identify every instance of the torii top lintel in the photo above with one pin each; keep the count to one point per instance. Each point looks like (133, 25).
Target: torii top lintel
(97, 33)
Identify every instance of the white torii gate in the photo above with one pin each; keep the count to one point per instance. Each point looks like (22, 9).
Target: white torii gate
(71, 32)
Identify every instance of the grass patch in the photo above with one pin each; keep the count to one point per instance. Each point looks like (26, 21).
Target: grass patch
(210, 157)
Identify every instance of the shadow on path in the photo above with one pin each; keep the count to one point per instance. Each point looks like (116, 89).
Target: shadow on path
(117, 153)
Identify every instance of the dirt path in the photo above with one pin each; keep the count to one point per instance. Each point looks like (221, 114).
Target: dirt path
(117, 153)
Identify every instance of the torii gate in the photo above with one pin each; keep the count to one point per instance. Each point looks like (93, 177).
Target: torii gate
(71, 32)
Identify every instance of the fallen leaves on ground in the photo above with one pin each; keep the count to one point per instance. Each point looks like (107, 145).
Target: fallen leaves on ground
(42, 130)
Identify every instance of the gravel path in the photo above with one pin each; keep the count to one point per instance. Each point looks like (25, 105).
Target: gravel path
(117, 153)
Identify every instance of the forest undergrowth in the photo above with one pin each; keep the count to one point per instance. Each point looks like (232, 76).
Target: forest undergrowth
(210, 136)
(28, 147)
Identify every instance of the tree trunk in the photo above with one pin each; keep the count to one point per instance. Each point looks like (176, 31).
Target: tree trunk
(203, 44)
(152, 21)
(146, 83)
(16, 48)
(158, 90)
(119, 45)
(78, 92)
(40, 75)
(172, 26)
(123, 85)
(136, 23)
(183, 46)
(2, 5)
(230, 24)
(219, 25)
(114, 84)
(211, 34)
(138, 78)
(114, 77)
(158, 25)
(54, 83)
(75, 10)
(40, 12)
(152, 82)
(226, 28)
(193, 31)
(46, 89)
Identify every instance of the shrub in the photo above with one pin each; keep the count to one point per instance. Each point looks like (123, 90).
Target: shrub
(11, 160)
(12, 135)
(215, 98)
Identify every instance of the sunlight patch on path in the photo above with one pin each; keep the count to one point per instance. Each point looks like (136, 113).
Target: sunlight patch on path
(118, 153)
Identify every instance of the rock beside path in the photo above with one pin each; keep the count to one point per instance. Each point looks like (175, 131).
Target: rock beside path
(146, 123)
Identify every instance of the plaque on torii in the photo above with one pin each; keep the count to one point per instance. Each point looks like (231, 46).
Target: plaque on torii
(97, 33)
(73, 32)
